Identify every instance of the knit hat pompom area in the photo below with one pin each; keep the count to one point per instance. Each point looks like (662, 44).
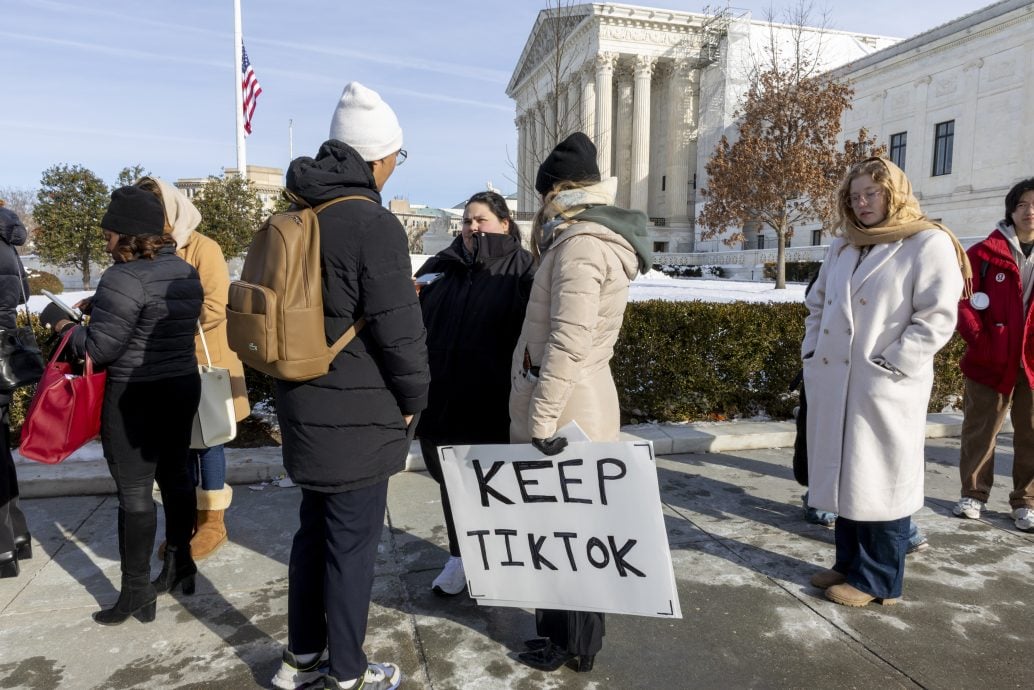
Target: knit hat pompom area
(366, 123)
(134, 211)
(573, 159)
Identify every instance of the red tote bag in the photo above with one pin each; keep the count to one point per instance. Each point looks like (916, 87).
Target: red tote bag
(65, 412)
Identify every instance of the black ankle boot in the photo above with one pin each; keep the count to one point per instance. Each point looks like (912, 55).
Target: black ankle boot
(548, 658)
(9, 564)
(177, 569)
(23, 547)
(139, 600)
(585, 662)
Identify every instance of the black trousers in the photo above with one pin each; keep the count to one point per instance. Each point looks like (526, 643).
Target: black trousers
(579, 632)
(429, 449)
(12, 519)
(145, 432)
(330, 577)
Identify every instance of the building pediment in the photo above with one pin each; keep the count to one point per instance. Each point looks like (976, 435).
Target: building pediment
(543, 39)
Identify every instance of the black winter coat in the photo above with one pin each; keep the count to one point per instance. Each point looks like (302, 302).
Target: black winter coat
(13, 283)
(143, 319)
(345, 430)
(473, 315)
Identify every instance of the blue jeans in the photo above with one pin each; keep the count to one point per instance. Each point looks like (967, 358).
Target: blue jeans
(872, 555)
(212, 463)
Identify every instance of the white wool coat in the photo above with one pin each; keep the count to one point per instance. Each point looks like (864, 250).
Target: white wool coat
(866, 424)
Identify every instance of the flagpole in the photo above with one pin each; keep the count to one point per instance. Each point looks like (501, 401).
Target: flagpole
(238, 61)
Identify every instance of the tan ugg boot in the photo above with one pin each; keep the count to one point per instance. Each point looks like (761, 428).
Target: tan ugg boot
(211, 531)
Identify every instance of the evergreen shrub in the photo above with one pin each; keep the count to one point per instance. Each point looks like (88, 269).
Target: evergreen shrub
(796, 271)
(700, 361)
(41, 280)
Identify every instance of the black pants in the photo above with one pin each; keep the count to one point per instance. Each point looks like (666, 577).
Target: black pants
(145, 432)
(429, 449)
(12, 519)
(579, 632)
(331, 575)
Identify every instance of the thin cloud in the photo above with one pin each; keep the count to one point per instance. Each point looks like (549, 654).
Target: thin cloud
(64, 129)
(109, 50)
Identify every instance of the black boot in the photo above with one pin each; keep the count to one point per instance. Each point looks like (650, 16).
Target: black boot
(177, 569)
(23, 547)
(137, 597)
(8, 565)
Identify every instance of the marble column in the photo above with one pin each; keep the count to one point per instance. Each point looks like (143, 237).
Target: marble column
(682, 86)
(917, 154)
(623, 134)
(639, 188)
(522, 161)
(604, 124)
(588, 104)
(563, 116)
(540, 132)
(963, 155)
(552, 120)
(530, 164)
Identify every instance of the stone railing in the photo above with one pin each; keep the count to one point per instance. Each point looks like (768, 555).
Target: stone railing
(745, 257)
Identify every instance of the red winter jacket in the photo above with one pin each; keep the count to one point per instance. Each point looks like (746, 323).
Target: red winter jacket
(996, 336)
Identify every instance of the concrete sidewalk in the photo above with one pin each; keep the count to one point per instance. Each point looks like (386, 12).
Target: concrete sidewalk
(742, 557)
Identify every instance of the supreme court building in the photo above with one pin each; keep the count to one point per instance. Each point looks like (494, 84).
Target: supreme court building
(656, 90)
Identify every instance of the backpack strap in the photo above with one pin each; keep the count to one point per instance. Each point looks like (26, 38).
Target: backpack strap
(349, 334)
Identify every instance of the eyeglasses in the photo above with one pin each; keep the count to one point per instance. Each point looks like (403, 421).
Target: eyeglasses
(870, 197)
(401, 157)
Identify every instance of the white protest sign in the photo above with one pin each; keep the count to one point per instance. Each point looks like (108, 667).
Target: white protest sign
(582, 530)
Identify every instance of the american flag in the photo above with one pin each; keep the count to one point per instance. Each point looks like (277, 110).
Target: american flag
(250, 87)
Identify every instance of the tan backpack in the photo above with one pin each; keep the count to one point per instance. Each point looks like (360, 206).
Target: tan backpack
(274, 314)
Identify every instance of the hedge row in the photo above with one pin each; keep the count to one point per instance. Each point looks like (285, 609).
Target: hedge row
(699, 361)
(796, 271)
(686, 361)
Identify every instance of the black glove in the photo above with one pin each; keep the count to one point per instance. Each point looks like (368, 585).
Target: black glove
(550, 446)
(51, 314)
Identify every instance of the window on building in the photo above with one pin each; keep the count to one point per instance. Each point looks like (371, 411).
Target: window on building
(761, 241)
(664, 182)
(660, 247)
(816, 237)
(897, 148)
(943, 143)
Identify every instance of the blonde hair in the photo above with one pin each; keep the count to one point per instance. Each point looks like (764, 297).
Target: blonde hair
(548, 211)
(875, 170)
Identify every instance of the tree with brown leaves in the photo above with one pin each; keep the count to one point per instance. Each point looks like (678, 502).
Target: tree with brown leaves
(784, 168)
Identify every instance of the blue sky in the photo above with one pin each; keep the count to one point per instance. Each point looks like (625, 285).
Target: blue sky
(120, 82)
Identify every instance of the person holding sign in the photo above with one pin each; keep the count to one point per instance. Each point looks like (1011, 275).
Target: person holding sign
(473, 308)
(589, 251)
(999, 361)
(884, 303)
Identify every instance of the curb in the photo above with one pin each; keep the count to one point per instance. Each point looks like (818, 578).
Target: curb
(88, 475)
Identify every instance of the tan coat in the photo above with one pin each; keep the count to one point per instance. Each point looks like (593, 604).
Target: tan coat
(204, 254)
(574, 315)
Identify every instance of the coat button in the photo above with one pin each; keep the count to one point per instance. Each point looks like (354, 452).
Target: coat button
(862, 300)
(829, 301)
(826, 331)
(847, 361)
(825, 361)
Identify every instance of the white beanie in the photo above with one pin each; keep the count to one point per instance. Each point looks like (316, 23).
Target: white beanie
(366, 123)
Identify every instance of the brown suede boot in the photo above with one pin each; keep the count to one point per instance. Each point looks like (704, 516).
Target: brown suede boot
(211, 531)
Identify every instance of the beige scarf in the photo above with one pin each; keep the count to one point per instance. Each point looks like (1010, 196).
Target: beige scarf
(904, 219)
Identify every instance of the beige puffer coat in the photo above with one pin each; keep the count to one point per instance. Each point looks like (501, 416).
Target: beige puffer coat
(204, 254)
(574, 314)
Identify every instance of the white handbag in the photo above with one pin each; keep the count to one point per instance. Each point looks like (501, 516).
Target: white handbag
(215, 422)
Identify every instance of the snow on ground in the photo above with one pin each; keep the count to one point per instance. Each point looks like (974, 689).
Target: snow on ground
(656, 285)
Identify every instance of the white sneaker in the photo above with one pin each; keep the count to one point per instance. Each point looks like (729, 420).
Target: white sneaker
(293, 674)
(452, 580)
(968, 508)
(1024, 518)
(377, 677)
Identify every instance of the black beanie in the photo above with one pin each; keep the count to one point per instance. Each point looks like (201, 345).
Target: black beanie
(573, 159)
(134, 211)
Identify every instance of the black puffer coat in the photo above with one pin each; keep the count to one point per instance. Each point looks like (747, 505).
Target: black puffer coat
(345, 430)
(144, 319)
(13, 284)
(473, 315)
